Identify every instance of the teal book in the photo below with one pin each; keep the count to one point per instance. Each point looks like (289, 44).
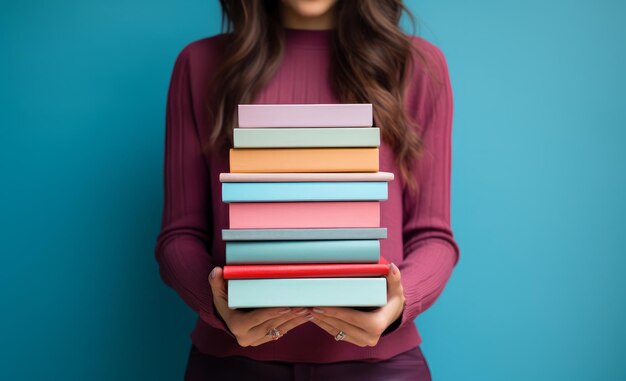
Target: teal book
(302, 234)
(307, 292)
(304, 191)
(331, 251)
(306, 137)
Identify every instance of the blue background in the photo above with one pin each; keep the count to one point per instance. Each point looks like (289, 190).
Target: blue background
(538, 189)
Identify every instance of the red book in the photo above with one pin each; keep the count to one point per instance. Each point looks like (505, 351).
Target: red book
(317, 270)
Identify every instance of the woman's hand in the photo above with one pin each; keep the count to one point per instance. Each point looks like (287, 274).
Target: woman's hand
(360, 327)
(251, 328)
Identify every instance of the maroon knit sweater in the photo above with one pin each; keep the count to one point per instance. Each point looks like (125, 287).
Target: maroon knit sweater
(420, 239)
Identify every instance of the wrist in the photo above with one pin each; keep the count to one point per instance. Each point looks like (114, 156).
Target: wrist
(396, 321)
(215, 319)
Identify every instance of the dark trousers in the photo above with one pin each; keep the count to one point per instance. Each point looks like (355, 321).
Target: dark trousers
(406, 366)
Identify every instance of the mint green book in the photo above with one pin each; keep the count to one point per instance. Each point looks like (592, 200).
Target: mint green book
(307, 292)
(304, 191)
(306, 137)
(331, 251)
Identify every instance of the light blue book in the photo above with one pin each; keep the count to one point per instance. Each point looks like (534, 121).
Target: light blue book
(302, 234)
(305, 191)
(333, 251)
(306, 137)
(307, 292)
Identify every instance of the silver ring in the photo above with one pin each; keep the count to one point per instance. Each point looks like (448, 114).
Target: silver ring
(274, 333)
(340, 336)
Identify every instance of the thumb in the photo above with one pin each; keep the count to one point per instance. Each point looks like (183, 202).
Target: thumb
(394, 281)
(217, 282)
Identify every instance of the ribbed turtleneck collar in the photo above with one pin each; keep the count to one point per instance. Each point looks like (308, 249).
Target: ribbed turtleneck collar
(307, 38)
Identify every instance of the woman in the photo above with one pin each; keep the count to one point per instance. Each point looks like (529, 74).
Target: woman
(309, 51)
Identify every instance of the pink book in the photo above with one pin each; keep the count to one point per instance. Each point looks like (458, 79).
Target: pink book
(298, 177)
(306, 115)
(283, 215)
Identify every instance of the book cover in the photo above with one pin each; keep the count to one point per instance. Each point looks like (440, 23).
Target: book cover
(292, 177)
(332, 214)
(306, 137)
(304, 160)
(319, 251)
(307, 292)
(316, 270)
(305, 115)
(302, 234)
(304, 191)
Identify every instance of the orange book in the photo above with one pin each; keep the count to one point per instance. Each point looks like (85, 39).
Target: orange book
(259, 160)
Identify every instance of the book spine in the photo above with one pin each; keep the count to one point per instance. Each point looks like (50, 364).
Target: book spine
(304, 191)
(302, 234)
(305, 137)
(336, 251)
(305, 115)
(334, 214)
(307, 292)
(305, 271)
(291, 177)
(304, 160)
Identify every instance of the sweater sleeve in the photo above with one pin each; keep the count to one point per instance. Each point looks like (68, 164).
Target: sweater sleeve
(181, 248)
(429, 251)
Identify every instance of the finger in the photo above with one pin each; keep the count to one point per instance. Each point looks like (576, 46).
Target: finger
(218, 284)
(394, 282)
(334, 331)
(262, 329)
(262, 315)
(293, 323)
(395, 294)
(350, 315)
(218, 289)
(283, 329)
(356, 333)
(244, 322)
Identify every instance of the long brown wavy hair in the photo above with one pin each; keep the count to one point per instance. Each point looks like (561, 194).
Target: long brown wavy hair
(371, 58)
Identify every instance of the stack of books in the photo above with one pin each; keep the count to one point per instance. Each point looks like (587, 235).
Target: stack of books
(304, 193)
